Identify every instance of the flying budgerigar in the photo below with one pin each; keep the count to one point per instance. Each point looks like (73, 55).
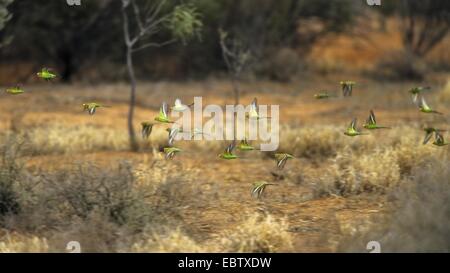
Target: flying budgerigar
(424, 108)
(352, 131)
(347, 88)
(415, 91)
(163, 116)
(46, 74)
(439, 139)
(179, 107)
(282, 158)
(259, 187)
(254, 113)
(245, 146)
(173, 132)
(16, 90)
(91, 107)
(323, 95)
(228, 153)
(171, 151)
(371, 123)
(146, 129)
(429, 133)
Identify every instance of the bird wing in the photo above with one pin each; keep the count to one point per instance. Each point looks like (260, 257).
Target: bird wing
(230, 148)
(353, 124)
(439, 138)
(178, 103)
(424, 104)
(372, 119)
(163, 110)
(427, 138)
(172, 133)
(282, 162)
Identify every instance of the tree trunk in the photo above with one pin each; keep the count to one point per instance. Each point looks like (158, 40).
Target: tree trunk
(131, 133)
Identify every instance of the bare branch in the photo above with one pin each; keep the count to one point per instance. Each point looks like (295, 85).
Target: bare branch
(147, 45)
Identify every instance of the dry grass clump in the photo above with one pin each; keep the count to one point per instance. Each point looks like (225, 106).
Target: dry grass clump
(173, 241)
(258, 235)
(311, 142)
(349, 174)
(63, 139)
(421, 215)
(23, 244)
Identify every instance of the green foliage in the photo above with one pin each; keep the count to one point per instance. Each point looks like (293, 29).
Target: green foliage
(5, 16)
(185, 23)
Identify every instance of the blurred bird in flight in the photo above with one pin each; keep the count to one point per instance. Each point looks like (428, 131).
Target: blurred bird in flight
(46, 74)
(347, 88)
(424, 108)
(352, 131)
(371, 123)
(282, 158)
(259, 187)
(16, 90)
(415, 91)
(91, 107)
(228, 153)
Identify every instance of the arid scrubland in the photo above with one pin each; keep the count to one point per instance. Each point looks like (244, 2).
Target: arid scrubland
(71, 178)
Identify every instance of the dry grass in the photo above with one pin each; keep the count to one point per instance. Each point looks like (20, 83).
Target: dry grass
(23, 244)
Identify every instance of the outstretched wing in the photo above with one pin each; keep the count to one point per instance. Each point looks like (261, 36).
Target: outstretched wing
(353, 124)
(172, 134)
(372, 119)
(163, 111)
(427, 138)
(423, 104)
(282, 161)
(439, 138)
(230, 148)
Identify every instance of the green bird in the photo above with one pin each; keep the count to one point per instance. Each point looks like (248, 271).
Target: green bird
(424, 108)
(91, 107)
(179, 107)
(16, 90)
(352, 131)
(347, 88)
(254, 113)
(228, 153)
(171, 151)
(323, 95)
(415, 91)
(163, 114)
(282, 158)
(371, 123)
(259, 187)
(173, 132)
(46, 74)
(439, 140)
(429, 133)
(147, 128)
(245, 146)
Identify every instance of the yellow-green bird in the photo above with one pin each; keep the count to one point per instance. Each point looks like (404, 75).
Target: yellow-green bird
(163, 116)
(347, 88)
(16, 90)
(323, 95)
(282, 158)
(173, 132)
(352, 131)
(259, 187)
(415, 91)
(171, 151)
(46, 74)
(429, 133)
(439, 140)
(228, 153)
(147, 128)
(91, 107)
(254, 112)
(424, 108)
(245, 146)
(371, 123)
(179, 107)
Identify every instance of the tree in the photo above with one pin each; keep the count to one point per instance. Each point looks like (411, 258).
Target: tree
(65, 38)
(425, 24)
(237, 58)
(5, 16)
(148, 20)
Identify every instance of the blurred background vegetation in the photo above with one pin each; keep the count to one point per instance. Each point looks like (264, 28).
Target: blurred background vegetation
(86, 42)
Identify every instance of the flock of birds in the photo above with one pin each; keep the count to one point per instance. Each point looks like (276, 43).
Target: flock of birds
(281, 158)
